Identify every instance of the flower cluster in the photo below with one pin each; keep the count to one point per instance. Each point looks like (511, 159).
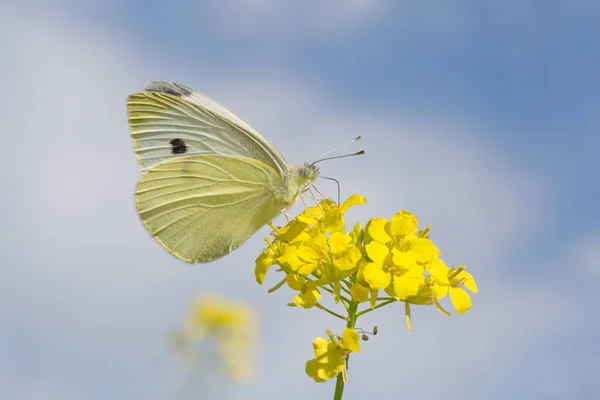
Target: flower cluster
(384, 262)
(230, 325)
(405, 263)
(331, 355)
(314, 251)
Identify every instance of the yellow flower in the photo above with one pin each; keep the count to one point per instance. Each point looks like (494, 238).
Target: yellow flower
(267, 258)
(345, 255)
(231, 325)
(460, 299)
(318, 255)
(444, 281)
(359, 292)
(211, 314)
(377, 230)
(329, 258)
(327, 215)
(403, 224)
(289, 259)
(438, 271)
(331, 354)
(294, 231)
(408, 277)
(397, 256)
(312, 252)
(309, 295)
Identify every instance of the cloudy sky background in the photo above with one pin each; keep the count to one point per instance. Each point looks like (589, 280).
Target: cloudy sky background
(483, 120)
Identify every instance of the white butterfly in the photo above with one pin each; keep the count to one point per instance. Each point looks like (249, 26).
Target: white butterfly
(210, 179)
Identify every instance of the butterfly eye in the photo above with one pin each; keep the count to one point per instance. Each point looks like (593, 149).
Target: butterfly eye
(178, 146)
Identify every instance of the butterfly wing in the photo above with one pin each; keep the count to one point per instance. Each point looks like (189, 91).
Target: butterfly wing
(202, 207)
(170, 120)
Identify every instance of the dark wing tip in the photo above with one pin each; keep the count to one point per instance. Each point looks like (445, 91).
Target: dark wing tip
(174, 89)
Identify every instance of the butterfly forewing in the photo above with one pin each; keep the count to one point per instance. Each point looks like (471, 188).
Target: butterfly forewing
(170, 120)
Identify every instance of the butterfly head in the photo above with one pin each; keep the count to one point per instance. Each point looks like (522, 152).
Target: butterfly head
(308, 173)
(303, 176)
(296, 181)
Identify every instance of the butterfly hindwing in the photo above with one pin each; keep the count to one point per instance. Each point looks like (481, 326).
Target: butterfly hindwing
(203, 207)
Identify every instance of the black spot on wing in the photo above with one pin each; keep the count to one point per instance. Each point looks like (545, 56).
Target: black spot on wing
(178, 146)
(174, 89)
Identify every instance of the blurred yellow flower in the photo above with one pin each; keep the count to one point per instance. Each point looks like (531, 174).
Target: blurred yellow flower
(231, 325)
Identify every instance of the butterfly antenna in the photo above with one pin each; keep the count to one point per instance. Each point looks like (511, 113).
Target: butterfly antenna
(358, 153)
(356, 139)
(336, 182)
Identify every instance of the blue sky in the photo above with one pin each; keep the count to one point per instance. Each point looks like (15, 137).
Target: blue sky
(482, 119)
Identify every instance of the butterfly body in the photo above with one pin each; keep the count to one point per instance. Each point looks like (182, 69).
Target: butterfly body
(210, 179)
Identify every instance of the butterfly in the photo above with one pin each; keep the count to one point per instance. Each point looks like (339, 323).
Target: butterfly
(210, 179)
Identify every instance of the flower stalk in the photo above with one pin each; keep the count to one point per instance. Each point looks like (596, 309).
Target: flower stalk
(342, 378)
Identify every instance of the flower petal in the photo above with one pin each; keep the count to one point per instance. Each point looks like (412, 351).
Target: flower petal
(467, 280)
(375, 276)
(289, 232)
(404, 259)
(351, 201)
(377, 229)
(424, 249)
(438, 271)
(338, 242)
(403, 223)
(440, 291)
(377, 252)
(359, 293)
(295, 282)
(407, 285)
(328, 361)
(351, 340)
(353, 254)
(289, 259)
(333, 221)
(306, 252)
(344, 264)
(461, 301)
(308, 297)
(263, 263)
(307, 269)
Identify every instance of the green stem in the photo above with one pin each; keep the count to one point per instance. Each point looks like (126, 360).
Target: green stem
(385, 303)
(347, 284)
(346, 291)
(321, 307)
(339, 384)
(347, 300)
